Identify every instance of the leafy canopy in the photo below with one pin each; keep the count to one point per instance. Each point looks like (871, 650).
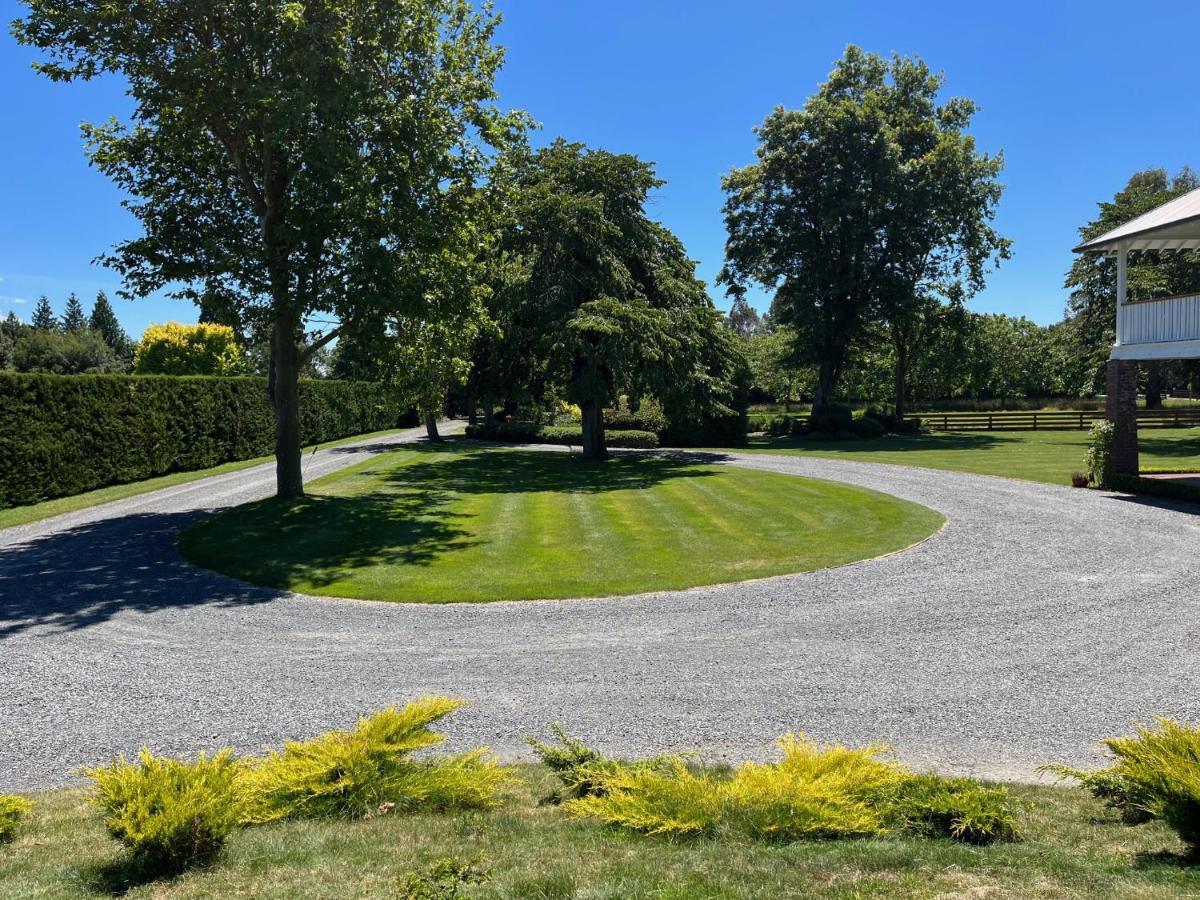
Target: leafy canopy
(860, 204)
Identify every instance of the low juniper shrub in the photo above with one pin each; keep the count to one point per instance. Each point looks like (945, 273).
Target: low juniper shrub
(444, 880)
(961, 809)
(13, 811)
(372, 769)
(172, 814)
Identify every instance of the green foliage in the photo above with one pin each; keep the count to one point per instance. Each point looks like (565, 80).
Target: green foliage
(444, 880)
(867, 428)
(73, 318)
(170, 813)
(66, 435)
(594, 299)
(371, 769)
(571, 762)
(862, 208)
(648, 416)
(178, 349)
(81, 351)
(832, 420)
(813, 792)
(530, 433)
(289, 165)
(1099, 453)
(1113, 788)
(1160, 767)
(1167, 488)
(43, 316)
(13, 811)
(958, 808)
(103, 321)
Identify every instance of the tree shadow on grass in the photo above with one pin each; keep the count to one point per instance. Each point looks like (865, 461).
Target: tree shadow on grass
(409, 518)
(938, 441)
(1168, 447)
(465, 469)
(118, 876)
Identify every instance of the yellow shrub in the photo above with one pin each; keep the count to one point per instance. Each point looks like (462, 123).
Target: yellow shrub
(169, 812)
(813, 792)
(1162, 766)
(358, 772)
(830, 791)
(12, 811)
(178, 349)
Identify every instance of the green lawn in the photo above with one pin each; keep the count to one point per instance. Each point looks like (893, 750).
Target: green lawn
(1049, 456)
(463, 522)
(35, 512)
(1072, 848)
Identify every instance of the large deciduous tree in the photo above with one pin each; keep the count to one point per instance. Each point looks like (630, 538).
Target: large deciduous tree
(603, 298)
(301, 166)
(862, 207)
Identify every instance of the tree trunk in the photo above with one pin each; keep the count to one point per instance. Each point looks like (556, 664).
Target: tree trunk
(489, 416)
(283, 390)
(826, 382)
(593, 430)
(1154, 385)
(901, 384)
(431, 427)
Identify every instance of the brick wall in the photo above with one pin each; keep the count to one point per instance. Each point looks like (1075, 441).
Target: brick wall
(1120, 408)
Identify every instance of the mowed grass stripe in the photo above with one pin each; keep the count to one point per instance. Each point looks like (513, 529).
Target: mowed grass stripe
(461, 523)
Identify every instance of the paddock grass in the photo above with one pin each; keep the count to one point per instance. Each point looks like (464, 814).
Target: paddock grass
(439, 523)
(1047, 456)
(1072, 847)
(35, 512)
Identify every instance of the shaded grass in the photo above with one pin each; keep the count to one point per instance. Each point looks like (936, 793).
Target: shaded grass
(1046, 456)
(462, 522)
(35, 512)
(1073, 847)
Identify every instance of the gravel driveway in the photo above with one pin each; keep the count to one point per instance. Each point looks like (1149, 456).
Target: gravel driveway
(1040, 619)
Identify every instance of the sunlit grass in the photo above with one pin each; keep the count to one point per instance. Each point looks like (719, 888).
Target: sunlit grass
(1047, 456)
(462, 522)
(1072, 847)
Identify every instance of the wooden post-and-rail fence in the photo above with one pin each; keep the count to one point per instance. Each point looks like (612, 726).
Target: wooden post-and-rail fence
(1051, 420)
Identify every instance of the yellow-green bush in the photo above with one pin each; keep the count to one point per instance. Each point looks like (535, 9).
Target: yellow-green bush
(12, 811)
(813, 792)
(1161, 766)
(1112, 788)
(169, 812)
(372, 767)
(830, 791)
(957, 808)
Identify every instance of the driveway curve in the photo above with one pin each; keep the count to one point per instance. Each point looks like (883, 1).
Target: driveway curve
(1040, 619)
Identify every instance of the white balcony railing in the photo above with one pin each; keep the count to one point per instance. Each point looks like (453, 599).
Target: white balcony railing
(1160, 320)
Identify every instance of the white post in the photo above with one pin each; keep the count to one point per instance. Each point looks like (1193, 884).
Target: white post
(1122, 276)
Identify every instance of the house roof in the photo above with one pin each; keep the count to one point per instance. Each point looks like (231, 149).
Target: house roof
(1173, 226)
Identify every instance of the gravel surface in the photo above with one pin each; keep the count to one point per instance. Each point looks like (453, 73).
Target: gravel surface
(1040, 619)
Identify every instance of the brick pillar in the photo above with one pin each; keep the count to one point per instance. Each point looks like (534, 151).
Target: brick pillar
(1120, 408)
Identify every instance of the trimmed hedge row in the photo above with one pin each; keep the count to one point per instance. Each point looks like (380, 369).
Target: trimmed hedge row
(529, 433)
(1167, 488)
(66, 434)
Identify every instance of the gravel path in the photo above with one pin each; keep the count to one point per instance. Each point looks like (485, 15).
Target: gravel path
(1040, 619)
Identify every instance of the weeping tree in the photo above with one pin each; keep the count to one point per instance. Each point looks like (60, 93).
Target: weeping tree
(863, 207)
(599, 298)
(301, 166)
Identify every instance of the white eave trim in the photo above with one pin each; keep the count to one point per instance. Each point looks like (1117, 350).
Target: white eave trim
(1159, 350)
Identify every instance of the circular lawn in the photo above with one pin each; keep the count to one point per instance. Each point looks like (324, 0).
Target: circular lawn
(460, 522)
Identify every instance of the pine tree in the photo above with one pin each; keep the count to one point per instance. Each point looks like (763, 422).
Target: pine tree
(73, 318)
(104, 320)
(43, 316)
(11, 326)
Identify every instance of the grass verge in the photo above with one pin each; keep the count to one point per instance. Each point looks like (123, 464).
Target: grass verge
(35, 512)
(1046, 456)
(463, 522)
(1073, 847)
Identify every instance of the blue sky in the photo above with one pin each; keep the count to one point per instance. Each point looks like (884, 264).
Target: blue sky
(1078, 97)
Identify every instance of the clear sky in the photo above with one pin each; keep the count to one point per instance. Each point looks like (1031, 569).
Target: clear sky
(1078, 96)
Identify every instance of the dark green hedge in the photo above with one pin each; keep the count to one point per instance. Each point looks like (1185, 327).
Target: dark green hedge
(572, 435)
(1167, 488)
(66, 434)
